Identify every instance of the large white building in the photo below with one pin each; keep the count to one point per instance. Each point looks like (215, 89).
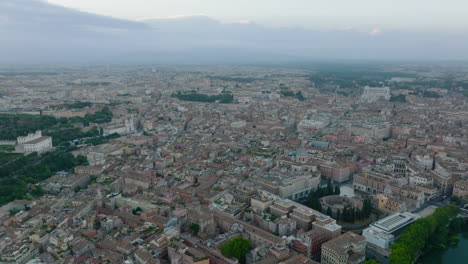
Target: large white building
(382, 233)
(372, 94)
(34, 142)
(378, 237)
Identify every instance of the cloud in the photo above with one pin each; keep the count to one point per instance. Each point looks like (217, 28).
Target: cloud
(346, 28)
(375, 32)
(241, 22)
(143, 19)
(35, 32)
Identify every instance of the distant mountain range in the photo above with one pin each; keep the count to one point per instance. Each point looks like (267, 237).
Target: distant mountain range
(34, 31)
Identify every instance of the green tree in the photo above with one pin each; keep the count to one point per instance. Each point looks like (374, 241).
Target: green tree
(371, 261)
(195, 228)
(455, 199)
(37, 191)
(329, 187)
(237, 248)
(425, 234)
(337, 190)
(329, 211)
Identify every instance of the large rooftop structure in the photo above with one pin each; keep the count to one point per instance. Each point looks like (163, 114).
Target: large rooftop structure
(395, 222)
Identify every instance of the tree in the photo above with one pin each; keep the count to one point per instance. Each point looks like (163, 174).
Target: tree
(425, 234)
(329, 187)
(237, 248)
(455, 199)
(338, 215)
(137, 210)
(371, 261)
(337, 190)
(37, 191)
(195, 228)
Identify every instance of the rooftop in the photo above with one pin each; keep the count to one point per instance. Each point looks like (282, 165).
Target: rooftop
(394, 222)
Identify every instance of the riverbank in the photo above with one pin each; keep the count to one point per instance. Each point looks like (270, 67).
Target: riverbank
(458, 254)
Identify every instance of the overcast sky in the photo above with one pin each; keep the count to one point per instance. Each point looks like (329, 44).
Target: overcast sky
(362, 15)
(231, 30)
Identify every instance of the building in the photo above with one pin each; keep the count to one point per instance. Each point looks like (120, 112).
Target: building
(371, 182)
(393, 224)
(347, 248)
(123, 127)
(371, 128)
(314, 239)
(327, 225)
(378, 237)
(292, 187)
(381, 235)
(304, 216)
(333, 170)
(34, 142)
(460, 189)
(372, 94)
(425, 162)
(389, 204)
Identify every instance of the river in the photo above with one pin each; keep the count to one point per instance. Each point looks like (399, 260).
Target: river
(449, 256)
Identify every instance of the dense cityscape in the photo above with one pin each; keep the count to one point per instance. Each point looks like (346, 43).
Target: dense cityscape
(307, 163)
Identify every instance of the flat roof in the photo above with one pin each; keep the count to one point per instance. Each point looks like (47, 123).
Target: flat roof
(394, 222)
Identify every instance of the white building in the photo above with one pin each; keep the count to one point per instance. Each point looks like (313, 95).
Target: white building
(421, 179)
(425, 161)
(394, 222)
(34, 142)
(372, 94)
(378, 237)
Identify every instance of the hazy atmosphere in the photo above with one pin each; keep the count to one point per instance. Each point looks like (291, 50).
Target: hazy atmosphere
(233, 131)
(231, 31)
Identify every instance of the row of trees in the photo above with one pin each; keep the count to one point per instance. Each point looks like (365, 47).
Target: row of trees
(313, 201)
(224, 97)
(432, 232)
(351, 214)
(12, 126)
(237, 248)
(398, 98)
(19, 176)
(290, 93)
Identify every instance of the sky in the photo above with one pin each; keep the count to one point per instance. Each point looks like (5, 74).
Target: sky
(194, 31)
(361, 15)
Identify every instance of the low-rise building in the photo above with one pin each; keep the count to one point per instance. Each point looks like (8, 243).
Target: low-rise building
(347, 248)
(460, 189)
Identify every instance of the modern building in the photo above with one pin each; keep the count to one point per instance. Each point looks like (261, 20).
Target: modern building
(392, 224)
(378, 237)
